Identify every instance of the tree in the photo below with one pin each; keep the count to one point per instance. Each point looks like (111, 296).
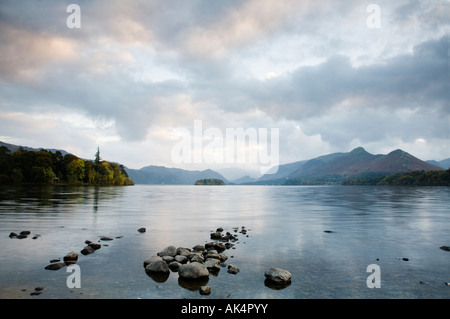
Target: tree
(97, 156)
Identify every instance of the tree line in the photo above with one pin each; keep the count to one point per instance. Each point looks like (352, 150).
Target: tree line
(45, 167)
(209, 181)
(413, 178)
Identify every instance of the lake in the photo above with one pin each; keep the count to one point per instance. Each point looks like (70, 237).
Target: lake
(325, 236)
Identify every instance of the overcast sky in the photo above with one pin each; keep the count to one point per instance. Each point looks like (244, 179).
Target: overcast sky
(327, 74)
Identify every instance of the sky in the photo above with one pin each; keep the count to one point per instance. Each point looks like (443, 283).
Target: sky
(135, 77)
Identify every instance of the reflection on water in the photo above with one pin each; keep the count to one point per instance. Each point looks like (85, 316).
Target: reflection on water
(370, 225)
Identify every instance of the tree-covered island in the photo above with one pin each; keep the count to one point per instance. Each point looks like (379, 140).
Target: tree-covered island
(45, 167)
(209, 181)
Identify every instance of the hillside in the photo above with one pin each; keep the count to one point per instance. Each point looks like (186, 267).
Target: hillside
(445, 164)
(45, 167)
(13, 148)
(334, 168)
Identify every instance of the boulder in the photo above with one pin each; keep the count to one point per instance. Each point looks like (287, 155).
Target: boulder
(216, 235)
(95, 246)
(181, 259)
(168, 259)
(168, 251)
(212, 264)
(55, 266)
(197, 258)
(220, 247)
(232, 269)
(214, 255)
(71, 258)
(193, 270)
(198, 248)
(183, 251)
(278, 275)
(174, 266)
(151, 259)
(158, 266)
(205, 290)
(87, 250)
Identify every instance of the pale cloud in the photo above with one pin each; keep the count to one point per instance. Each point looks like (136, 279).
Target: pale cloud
(24, 55)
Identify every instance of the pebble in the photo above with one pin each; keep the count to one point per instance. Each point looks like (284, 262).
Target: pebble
(205, 290)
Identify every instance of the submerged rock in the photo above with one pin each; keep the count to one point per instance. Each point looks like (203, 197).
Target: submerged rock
(95, 246)
(142, 230)
(446, 248)
(55, 266)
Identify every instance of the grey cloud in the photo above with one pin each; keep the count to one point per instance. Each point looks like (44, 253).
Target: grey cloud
(372, 95)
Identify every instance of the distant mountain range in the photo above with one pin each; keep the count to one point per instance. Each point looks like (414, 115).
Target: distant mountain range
(170, 176)
(338, 166)
(330, 168)
(445, 164)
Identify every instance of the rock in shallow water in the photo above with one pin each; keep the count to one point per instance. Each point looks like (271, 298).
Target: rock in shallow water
(232, 269)
(71, 258)
(158, 266)
(55, 266)
(151, 259)
(205, 290)
(168, 251)
(278, 275)
(193, 270)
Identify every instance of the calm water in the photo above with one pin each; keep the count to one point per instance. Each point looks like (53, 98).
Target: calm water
(371, 225)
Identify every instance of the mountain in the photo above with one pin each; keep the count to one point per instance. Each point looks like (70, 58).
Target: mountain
(283, 171)
(333, 168)
(445, 164)
(14, 148)
(234, 174)
(171, 176)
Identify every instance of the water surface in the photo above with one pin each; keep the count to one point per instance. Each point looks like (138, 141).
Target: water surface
(398, 228)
